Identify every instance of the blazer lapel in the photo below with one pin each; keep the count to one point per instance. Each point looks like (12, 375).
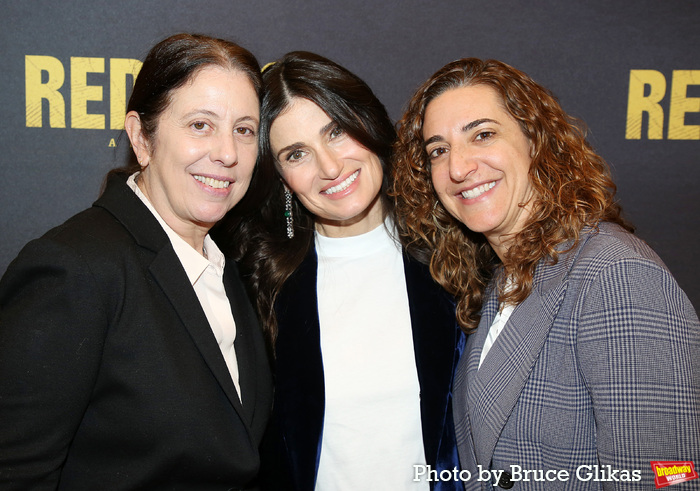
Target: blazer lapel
(246, 322)
(168, 272)
(300, 394)
(494, 389)
(171, 277)
(476, 340)
(435, 336)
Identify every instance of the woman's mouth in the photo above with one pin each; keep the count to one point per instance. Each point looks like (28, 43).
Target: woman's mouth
(343, 185)
(214, 183)
(477, 191)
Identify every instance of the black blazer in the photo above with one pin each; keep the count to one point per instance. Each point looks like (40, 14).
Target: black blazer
(293, 443)
(111, 376)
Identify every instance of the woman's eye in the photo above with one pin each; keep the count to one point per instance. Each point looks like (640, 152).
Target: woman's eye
(483, 135)
(295, 155)
(199, 125)
(336, 132)
(437, 152)
(245, 131)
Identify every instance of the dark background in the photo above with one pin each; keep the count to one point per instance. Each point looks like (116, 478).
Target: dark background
(582, 51)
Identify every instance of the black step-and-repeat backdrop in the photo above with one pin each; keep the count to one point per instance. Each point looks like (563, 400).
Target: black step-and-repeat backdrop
(631, 70)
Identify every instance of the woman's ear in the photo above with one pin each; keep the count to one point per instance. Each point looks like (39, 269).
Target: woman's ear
(139, 142)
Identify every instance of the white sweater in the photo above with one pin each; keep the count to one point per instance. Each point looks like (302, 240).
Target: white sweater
(372, 429)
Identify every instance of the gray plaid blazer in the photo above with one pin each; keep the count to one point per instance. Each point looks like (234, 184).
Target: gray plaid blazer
(598, 370)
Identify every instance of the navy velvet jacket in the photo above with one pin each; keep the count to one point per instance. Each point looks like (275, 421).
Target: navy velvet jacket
(292, 447)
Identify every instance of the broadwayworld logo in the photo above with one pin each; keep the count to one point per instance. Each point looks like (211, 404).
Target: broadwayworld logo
(668, 473)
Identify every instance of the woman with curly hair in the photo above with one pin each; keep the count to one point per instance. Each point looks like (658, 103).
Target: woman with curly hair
(365, 342)
(582, 348)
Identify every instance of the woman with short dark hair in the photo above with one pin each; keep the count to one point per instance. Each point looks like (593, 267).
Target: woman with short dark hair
(130, 355)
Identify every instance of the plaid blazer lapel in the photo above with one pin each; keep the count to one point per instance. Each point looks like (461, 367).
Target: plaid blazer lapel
(494, 389)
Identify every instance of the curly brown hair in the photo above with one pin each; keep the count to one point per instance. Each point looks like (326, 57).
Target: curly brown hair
(572, 189)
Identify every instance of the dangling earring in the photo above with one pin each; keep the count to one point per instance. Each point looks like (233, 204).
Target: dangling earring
(288, 212)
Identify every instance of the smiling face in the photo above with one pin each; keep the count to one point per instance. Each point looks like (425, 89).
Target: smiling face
(199, 163)
(335, 178)
(480, 159)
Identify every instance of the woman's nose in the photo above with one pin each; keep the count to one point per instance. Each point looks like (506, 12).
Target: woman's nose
(329, 164)
(225, 151)
(462, 163)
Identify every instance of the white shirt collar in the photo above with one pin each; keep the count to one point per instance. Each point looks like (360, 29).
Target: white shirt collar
(194, 263)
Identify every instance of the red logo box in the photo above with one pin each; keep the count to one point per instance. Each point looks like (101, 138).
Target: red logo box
(668, 473)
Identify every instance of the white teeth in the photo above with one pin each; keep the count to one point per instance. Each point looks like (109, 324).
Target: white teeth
(343, 185)
(215, 183)
(478, 191)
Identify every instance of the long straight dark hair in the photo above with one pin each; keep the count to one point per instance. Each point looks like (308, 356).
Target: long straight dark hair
(267, 256)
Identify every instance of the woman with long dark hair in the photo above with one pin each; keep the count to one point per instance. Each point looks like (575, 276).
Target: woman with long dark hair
(365, 343)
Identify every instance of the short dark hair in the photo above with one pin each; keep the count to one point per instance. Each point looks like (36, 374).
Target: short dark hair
(175, 61)
(171, 64)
